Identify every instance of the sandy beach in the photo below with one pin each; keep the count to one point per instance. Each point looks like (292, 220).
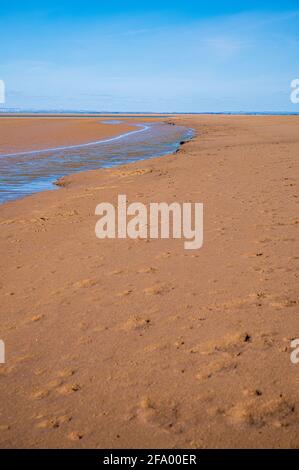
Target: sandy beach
(19, 134)
(141, 343)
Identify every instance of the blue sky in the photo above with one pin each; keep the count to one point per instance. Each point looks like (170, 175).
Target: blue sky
(150, 55)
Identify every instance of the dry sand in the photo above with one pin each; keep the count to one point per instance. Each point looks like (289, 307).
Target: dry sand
(144, 344)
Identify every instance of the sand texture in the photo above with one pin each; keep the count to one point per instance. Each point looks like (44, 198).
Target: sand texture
(140, 343)
(26, 134)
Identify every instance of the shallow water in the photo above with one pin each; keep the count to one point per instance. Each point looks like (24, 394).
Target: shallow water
(26, 173)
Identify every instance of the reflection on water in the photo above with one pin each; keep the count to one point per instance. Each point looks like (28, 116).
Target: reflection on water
(25, 174)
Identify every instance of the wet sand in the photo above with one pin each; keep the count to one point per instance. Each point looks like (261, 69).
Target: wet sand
(19, 134)
(140, 343)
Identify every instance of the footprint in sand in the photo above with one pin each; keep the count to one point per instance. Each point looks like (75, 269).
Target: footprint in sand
(157, 289)
(85, 283)
(134, 172)
(180, 343)
(149, 270)
(124, 293)
(55, 383)
(68, 389)
(277, 412)
(85, 340)
(230, 343)
(162, 415)
(209, 370)
(40, 371)
(266, 340)
(64, 373)
(165, 254)
(254, 392)
(75, 436)
(253, 255)
(36, 318)
(53, 423)
(116, 272)
(83, 325)
(40, 394)
(100, 328)
(5, 371)
(4, 427)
